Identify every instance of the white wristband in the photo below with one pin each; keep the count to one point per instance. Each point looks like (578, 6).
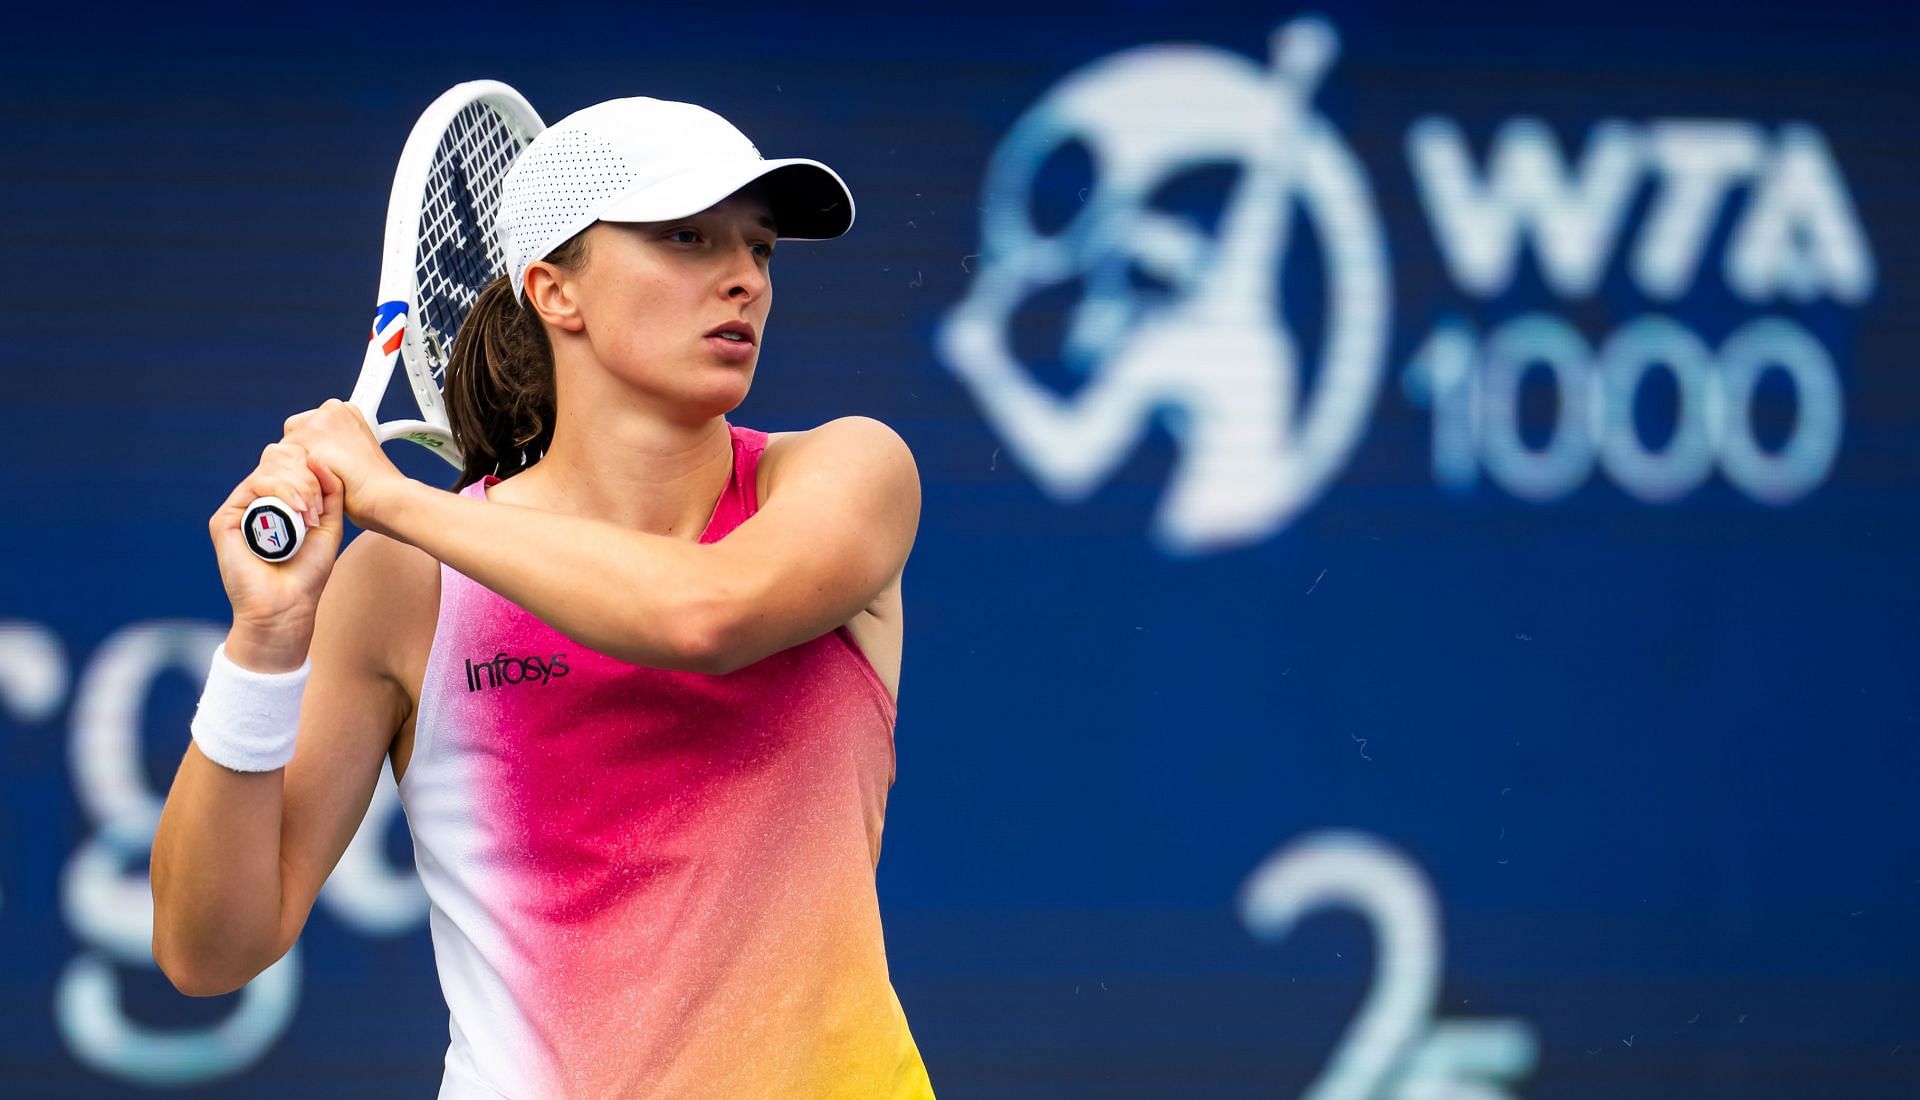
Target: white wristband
(247, 719)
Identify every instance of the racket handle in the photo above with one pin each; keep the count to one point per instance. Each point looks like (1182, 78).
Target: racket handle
(274, 531)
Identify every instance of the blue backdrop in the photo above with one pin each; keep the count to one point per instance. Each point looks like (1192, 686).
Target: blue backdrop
(1417, 575)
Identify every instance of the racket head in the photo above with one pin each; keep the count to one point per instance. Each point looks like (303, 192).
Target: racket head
(441, 249)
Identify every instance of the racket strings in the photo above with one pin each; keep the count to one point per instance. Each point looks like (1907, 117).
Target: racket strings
(457, 253)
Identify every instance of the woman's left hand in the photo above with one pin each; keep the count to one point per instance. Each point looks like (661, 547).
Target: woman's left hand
(339, 438)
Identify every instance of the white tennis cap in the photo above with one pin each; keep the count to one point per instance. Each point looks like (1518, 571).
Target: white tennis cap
(648, 160)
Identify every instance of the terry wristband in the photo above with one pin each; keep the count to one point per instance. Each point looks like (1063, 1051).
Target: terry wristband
(247, 719)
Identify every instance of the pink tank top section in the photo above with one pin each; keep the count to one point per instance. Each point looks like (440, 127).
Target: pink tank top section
(653, 883)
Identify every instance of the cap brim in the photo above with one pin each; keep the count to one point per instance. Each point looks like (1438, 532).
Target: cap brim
(808, 200)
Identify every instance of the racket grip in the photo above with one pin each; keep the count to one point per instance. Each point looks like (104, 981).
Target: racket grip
(273, 529)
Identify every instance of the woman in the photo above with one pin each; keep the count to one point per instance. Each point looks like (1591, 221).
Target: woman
(638, 692)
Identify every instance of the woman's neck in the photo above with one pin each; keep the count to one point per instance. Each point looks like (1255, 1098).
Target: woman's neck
(637, 472)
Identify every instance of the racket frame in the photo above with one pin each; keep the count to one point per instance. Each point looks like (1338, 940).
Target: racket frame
(272, 529)
(394, 336)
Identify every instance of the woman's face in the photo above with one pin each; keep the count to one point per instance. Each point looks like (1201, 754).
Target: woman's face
(658, 296)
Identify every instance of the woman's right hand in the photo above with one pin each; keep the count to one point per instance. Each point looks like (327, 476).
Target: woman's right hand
(273, 603)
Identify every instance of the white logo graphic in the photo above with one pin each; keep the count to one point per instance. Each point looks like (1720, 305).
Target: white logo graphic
(1253, 450)
(1215, 357)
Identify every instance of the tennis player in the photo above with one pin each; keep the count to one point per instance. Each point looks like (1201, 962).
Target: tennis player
(636, 676)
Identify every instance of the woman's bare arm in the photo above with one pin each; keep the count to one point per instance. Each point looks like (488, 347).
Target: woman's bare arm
(240, 857)
(837, 526)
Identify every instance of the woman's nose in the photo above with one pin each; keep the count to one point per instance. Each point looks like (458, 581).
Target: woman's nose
(747, 279)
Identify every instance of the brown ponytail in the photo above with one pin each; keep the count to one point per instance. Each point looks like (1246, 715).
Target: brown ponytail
(499, 387)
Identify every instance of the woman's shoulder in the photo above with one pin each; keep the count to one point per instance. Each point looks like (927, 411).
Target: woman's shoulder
(854, 442)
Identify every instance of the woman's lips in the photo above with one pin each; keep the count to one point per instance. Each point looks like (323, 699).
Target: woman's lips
(734, 351)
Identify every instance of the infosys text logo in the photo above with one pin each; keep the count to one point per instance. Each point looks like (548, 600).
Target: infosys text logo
(503, 670)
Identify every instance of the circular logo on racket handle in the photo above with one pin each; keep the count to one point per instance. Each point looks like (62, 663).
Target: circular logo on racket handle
(273, 529)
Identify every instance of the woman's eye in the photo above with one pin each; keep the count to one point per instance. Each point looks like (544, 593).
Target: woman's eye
(689, 235)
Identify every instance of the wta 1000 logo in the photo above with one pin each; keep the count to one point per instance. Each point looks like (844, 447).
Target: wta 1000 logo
(1179, 320)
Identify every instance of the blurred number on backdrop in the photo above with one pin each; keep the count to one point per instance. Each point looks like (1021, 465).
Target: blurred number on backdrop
(1395, 1049)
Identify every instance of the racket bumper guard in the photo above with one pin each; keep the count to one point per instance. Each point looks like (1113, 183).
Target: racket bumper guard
(273, 530)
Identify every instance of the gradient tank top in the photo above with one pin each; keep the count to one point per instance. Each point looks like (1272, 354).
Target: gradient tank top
(648, 883)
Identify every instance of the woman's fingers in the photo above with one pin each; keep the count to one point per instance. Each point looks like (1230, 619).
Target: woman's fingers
(285, 471)
(287, 465)
(331, 489)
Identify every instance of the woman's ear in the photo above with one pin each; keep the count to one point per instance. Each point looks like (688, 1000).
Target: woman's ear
(550, 292)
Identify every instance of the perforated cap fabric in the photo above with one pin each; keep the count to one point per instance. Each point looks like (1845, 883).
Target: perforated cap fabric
(646, 160)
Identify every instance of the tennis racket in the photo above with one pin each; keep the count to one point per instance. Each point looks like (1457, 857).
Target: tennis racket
(440, 252)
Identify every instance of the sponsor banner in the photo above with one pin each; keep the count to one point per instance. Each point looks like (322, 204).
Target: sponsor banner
(1414, 590)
